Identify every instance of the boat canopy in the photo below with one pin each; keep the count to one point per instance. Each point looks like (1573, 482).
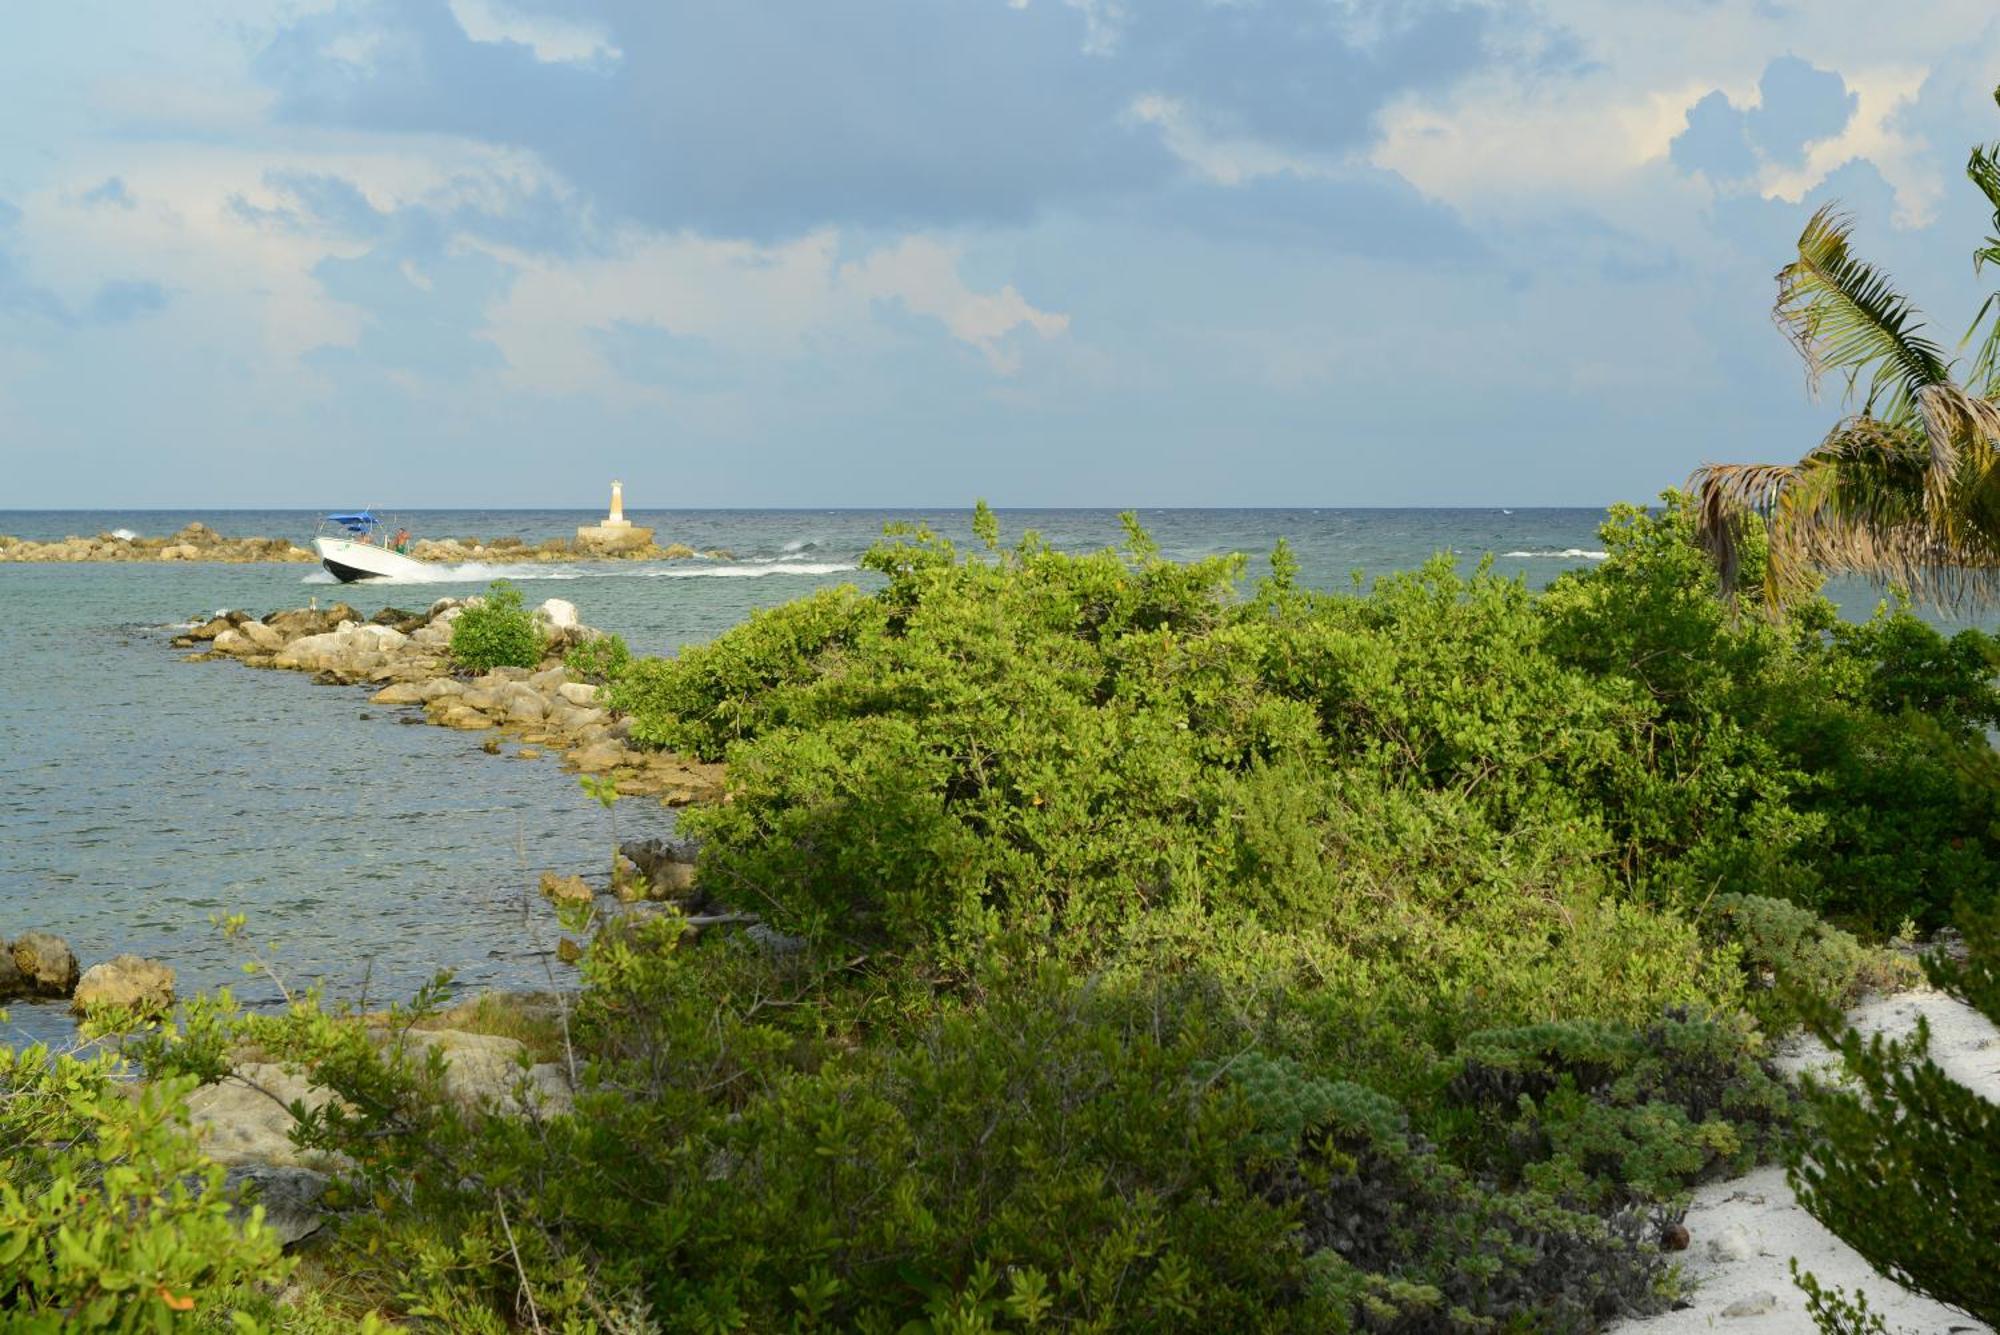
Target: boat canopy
(355, 523)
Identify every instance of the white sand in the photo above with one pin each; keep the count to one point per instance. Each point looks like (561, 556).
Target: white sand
(1743, 1233)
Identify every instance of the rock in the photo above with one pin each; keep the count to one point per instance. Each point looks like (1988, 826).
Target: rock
(525, 705)
(261, 635)
(672, 880)
(1757, 1304)
(773, 942)
(579, 693)
(400, 693)
(527, 753)
(289, 1194)
(566, 889)
(465, 718)
(568, 951)
(246, 1117)
(12, 982)
(46, 964)
(557, 614)
(549, 680)
(1674, 1238)
(598, 758)
(484, 1072)
(439, 687)
(128, 981)
(1732, 1244)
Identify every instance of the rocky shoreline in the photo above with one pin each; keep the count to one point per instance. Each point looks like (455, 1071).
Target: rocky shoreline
(199, 542)
(196, 542)
(407, 657)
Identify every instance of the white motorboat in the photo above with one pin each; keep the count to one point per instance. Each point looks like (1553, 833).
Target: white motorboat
(351, 548)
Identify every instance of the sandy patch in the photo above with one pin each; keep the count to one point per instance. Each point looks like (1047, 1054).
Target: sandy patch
(1743, 1233)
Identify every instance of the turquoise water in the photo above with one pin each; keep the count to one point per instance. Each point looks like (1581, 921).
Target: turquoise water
(146, 795)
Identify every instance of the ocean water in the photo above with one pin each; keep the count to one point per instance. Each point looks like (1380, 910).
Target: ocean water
(146, 796)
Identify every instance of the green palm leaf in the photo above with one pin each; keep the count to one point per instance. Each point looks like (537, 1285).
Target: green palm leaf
(1844, 316)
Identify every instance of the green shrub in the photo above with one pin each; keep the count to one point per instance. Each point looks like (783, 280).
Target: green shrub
(1903, 1162)
(603, 660)
(1787, 951)
(110, 1218)
(498, 632)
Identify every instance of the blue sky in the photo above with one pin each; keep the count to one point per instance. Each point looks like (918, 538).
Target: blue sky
(909, 252)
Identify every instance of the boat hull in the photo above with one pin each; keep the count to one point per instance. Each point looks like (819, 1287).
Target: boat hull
(349, 561)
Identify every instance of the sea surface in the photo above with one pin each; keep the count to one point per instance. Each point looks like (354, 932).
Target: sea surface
(145, 797)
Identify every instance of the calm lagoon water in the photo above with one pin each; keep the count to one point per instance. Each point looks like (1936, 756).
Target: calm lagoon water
(145, 795)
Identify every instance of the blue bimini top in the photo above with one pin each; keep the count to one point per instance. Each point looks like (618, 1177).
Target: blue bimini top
(360, 523)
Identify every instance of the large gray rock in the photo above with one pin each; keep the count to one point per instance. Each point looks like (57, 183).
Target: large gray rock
(46, 964)
(289, 1194)
(246, 1117)
(487, 1073)
(129, 982)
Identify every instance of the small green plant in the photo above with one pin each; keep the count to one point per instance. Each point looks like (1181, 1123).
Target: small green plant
(111, 1219)
(602, 660)
(498, 632)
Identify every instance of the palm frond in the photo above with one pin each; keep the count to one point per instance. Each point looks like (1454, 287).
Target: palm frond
(1844, 316)
(1984, 170)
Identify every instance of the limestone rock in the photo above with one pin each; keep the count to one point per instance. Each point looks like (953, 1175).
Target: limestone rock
(1732, 1244)
(46, 964)
(598, 758)
(579, 693)
(1757, 1304)
(246, 1117)
(290, 1196)
(556, 614)
(465, 718)
(142, 985)
(400, 693)
(12, 982)
(566, 889)
(487, 1072)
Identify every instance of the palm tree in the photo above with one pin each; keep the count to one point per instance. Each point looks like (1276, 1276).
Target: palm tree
(1907, 490)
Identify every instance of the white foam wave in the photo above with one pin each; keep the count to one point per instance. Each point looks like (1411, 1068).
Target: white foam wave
(1566, 554)
(123, 534)
(484, 572)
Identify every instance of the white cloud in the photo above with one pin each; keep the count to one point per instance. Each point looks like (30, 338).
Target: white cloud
(554, 41)
(795, 299)
(1220, 159)
(922, 275)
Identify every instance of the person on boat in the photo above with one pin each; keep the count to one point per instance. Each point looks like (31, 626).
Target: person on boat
(403, 540)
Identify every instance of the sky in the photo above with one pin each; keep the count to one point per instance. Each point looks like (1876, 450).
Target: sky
(917, 252)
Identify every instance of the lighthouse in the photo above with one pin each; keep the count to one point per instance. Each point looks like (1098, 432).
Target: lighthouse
(615, 533)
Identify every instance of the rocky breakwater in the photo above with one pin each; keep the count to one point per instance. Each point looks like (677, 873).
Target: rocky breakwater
(406, 656)
(452, 551)
(196, 542)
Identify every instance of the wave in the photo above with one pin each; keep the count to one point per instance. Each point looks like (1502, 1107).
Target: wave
(1566, 554)
(484, 572)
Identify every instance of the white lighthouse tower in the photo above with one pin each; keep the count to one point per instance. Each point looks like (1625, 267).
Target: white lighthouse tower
(616, 533)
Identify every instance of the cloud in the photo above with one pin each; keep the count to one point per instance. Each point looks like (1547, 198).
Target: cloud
(126, 299)
(1797, 106)
(110, 193)
(762, 122)
(551, 40)
(922, 275)
(1716, 142)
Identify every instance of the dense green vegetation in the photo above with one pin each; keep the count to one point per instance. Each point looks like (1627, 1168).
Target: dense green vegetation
(1903, 1162)
(1162, 951)
(496, 631)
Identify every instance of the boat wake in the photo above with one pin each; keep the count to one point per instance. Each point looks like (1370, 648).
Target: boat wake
(1566, 554)
(483, 572)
